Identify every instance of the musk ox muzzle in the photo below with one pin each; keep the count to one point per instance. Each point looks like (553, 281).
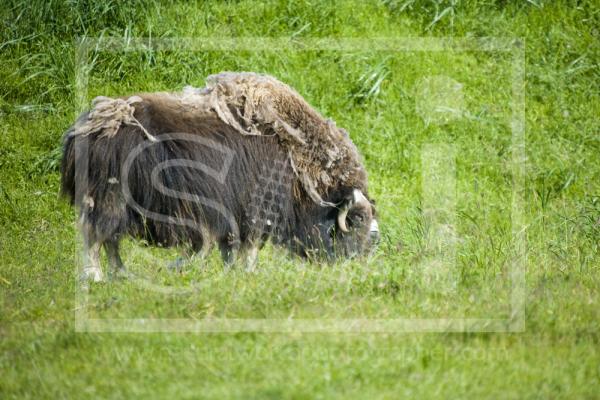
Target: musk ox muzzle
(240, 162)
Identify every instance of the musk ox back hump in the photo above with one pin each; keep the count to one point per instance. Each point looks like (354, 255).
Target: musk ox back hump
(323, 156)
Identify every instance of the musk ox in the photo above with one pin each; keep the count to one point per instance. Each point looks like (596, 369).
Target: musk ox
(239, 162)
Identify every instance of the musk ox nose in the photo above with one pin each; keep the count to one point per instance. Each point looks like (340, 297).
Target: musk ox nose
(374, 232)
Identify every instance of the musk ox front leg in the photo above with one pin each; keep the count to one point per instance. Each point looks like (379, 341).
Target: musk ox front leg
(235, 252)
(229, 248)
(248, 255)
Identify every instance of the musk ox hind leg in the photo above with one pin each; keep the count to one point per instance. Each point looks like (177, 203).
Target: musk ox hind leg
(116, 267)
(93, 240)
(92, 271)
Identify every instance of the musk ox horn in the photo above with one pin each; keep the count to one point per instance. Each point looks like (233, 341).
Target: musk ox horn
(358, 199)
(341, 219)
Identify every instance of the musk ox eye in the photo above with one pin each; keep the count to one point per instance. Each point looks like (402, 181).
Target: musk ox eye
(353, 221)
(357, 220)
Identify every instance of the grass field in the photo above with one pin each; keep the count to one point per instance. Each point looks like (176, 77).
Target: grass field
(390, 103)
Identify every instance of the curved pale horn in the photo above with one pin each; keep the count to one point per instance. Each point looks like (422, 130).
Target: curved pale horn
(357, 198)
(341, 218)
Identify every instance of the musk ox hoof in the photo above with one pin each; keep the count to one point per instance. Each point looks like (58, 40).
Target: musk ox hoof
(92, 274)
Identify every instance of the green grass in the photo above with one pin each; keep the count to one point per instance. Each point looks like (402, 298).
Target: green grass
(375, 96)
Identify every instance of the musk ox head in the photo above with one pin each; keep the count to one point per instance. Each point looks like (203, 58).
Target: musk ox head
(349, 229)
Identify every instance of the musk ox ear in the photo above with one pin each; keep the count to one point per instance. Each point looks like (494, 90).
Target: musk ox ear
(358, 200)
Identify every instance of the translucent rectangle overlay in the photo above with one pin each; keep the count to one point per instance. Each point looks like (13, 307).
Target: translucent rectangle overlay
(513, 46)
